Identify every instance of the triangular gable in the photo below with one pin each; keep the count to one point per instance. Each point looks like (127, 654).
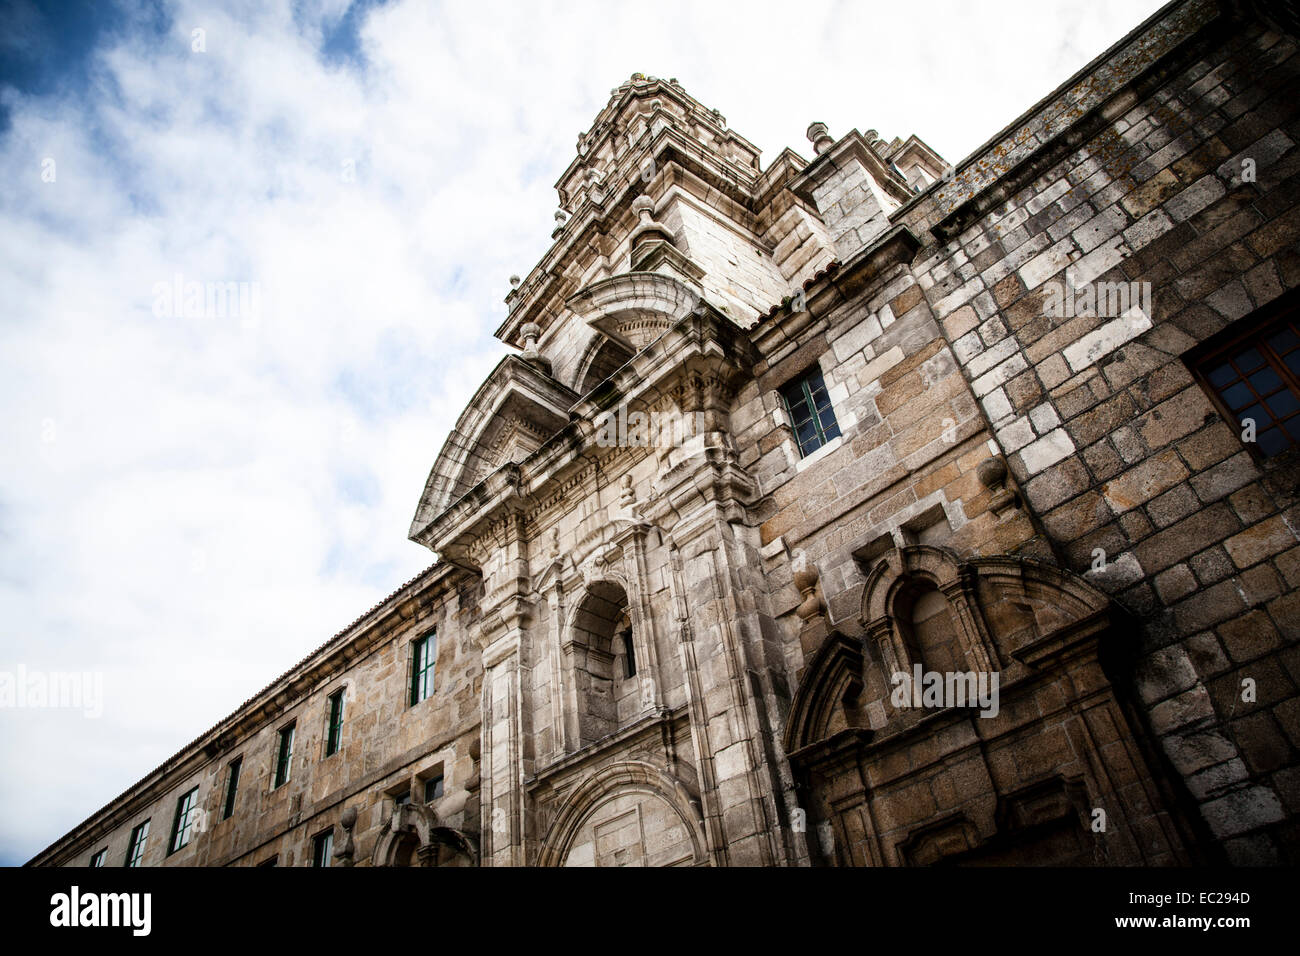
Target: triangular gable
(514, 412)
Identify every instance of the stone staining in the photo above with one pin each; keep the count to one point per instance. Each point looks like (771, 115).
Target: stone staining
(688, 655)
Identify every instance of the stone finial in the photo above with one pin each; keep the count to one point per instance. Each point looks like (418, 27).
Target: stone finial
(820, 137)
(531, 332)
(644, 207)
(992, 473)
(811, 605)
(872, 136)
(594, 178)
(346, 849)
(626, 496)
(813, 630)
(561, 216)
(647, 229)
(555, 543)
(514, 282)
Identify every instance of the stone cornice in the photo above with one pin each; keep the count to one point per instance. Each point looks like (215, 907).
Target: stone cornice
(1076, 135)
(703, 342)
(852, 147)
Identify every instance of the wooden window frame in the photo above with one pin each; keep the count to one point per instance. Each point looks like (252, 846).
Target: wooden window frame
(232, 787)
(322, 848)
(334, 722)
(802, 384)
(1253, 331)
(424, 661)
(284, 756)
(136, 846)
(186, 804)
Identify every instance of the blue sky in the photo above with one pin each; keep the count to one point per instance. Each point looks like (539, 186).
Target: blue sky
(189, 502)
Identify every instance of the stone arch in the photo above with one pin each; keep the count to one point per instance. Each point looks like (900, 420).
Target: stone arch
(920, 601)
(827, 698)
(604, 695)
(601, 359)
(616, 793)
(924, 617)
(414, 837)
(1029, 777)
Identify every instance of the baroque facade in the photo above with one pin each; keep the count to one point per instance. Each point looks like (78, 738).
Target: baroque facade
(773, 437)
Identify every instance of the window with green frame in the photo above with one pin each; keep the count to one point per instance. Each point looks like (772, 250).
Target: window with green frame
(98, 858)
(423, 653)
(284, 756)
(322, 848)
(184, 820)
(811, 414)
(135, 849)
(232, 787)
(334, 724)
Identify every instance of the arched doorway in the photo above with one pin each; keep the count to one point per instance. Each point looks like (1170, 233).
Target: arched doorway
(630, 813)
(413, 837)
(1009, 762)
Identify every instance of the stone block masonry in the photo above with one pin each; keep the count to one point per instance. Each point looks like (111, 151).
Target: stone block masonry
(957, 419)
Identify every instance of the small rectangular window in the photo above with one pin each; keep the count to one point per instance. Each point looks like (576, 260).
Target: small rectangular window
(135, 849)
(423, 652)
(1253, 376)
(232, 788)
(98, 859)
(629, 654)
(323, 848)
(284, 756)
(811, 415)
(433, 788)
(184, 820)
(334, 725)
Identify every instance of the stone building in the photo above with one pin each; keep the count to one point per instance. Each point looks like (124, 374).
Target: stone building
(784, 450)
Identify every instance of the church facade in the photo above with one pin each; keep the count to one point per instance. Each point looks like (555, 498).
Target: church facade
(859, 510)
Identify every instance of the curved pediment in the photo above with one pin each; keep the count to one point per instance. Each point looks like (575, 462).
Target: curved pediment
(635, 308)
(1004, 613)
(1021, 599)
(825, 702)
(513, 413)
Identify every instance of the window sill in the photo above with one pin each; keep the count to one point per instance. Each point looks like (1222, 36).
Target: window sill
(819, 454)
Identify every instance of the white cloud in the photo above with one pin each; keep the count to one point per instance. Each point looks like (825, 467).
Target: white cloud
(190, 505)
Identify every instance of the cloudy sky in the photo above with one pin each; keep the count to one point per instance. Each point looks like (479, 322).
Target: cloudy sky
(189, 502)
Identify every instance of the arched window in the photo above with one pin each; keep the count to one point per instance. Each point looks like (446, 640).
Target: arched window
(931, 630)
(604, 357)
(605, 662)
